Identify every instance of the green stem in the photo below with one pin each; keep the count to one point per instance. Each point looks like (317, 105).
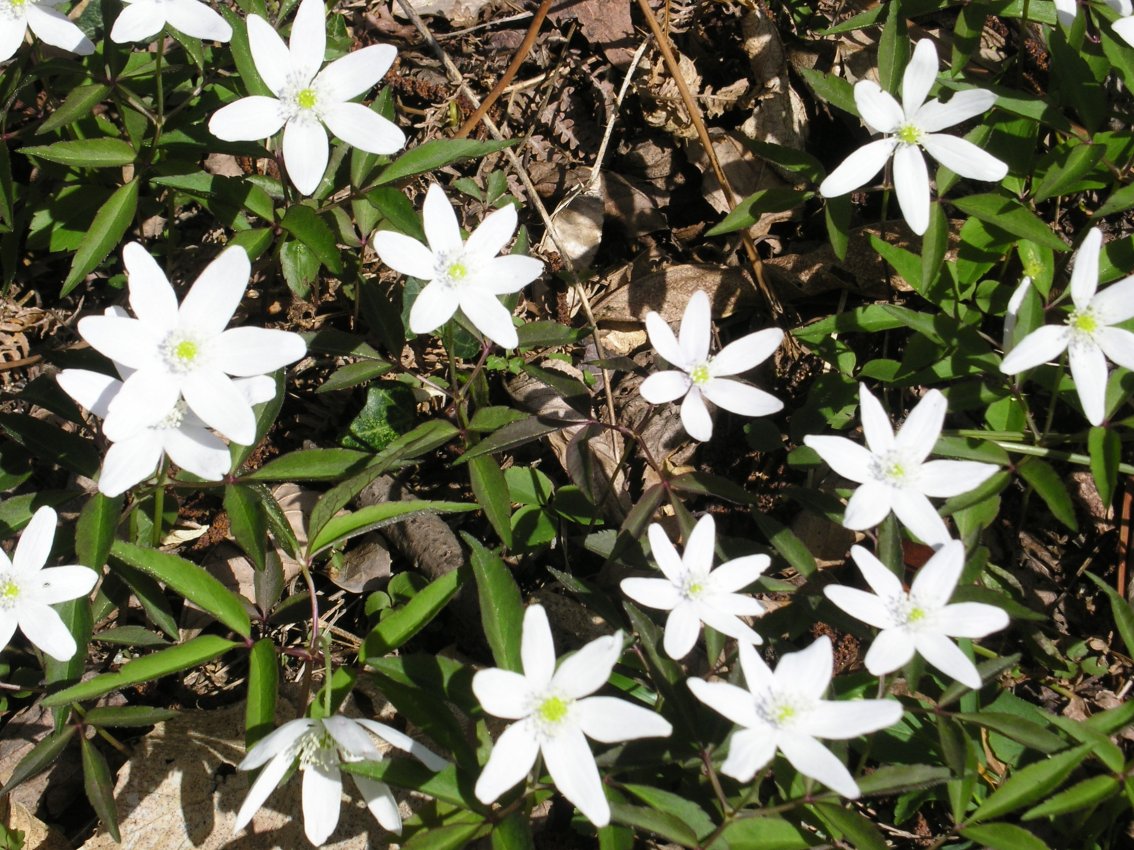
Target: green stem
(159, 504)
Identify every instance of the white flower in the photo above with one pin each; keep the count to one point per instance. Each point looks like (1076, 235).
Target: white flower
(555, 712)
(1088, 336)
(893, 470)
(699, 376)
(27, 591)
(909, 127)
(784, 709)
(42, 18)
(140, 20)
(694, 593)
(921, 620)
(466, 274)
(185, 352)
(307, 99)
(321, 746)
(181, 434)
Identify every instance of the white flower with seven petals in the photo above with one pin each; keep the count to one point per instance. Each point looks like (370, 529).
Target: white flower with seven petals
(922, 620)
(555, 713)
(141, 20)
(694, 593)
(49, 25)
(27, 590)
(459, 273)
(699, 377)
(184, 351)
(893, 471)
(321, 746)
(784, 709)
(1089, 335)
(308, 99)
(909, 127)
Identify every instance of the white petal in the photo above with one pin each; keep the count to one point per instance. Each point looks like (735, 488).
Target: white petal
(7, 628)
(305, 151)
(276, 742)
(938, 577)
(308, 40)
(572, 767)
(151, 297)
(868, 506)
(1117, 344)
(502, 693)
(406, 255)
(757, 674)
(696, 328)
(215, 295)
(911, 185)
(963, 157)
(356, 73)
(35, 543)
(433, 307)
(537, 652)
(664, 342)
(132, 460)
(488, 316)
(943, 654)
(848, 459)
(1085, 271)
(269, 53)
(876, 427)
(611, 720)
(861, 605)
(970, 619)
(1115, 303)
(53, 27)
(197, 20)
(812, 759)
(698, 556)
(588, 669)
(351, 737)
(943, 479)
(858, 169)
(146, 397)
(1066, 11)
(682, 628)
(405, 743)
(257, 389)
(877, 108)
(748, 751)
(893, 648)
(44, 627)
(808, 671)
(364, 128)
(12, 31)
(322, 796)
(261, 789)
(1089, 373)
(917, 514)
(198, 451)
(962, 106)
(380, 800)
(211, 395)
(738, 573)
(505, 275)
(661, 387)
(442, 230)
(732, 702)
(512, 757)
(665, 555)
(725, 622)
(746, 353)
(842, 719)
(922, 427)
(695, 416)
(740, 398)
(651, 592)
(92, 390)
(493, 234)
(249, 351)
(247, 119)
(137, 22)
(126, 341)
(1124, 29)
(1040, 346)
(920, 74)
(880, 579)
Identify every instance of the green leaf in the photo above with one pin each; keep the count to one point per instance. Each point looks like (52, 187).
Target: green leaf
(304, 224)
(1105, 447)
(1017, 728)
(544, 333)
(445, 785)
(893, 47)
(491, 491)
(197, 651)
(85, 153)
(7, 190)
(1063, 177)
(300, 267)
(784, 540)
(236, 191)
(353, 374)
(934, 244)
(94, 532)
(748, 211)
(859, 831)
(78, 104)
(263, 685)
(489, 419)
(684, 809)
(150, 594)
(449, 837)
(51, 444)
(310, 465)
(365, 519)
(436, 154)
(762, 833)
(401, 624)
(831, 89)
(130, 636)
(1003, 836)
(518, 434)
(188, 580)
(501, 605)
(1030, 784)
(662, 824)
(1010, 215)
(1079, 797)
(513, 833)
(39, 757)
(99, 787)
(898, 778)
(248, 523)
(110, 223)
(127, 716)
(1121, 610)
(1051, 487)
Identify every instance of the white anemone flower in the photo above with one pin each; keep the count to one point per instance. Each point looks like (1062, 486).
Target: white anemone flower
(555, 714)
(27, 590)
(184, 351)
(49, 25)
(784, 710)
(460, 273)
(893, 471)
(320, 746)
(699, 377)
(909, 127)
(141, 20)
(695, 593)
(308, 101)
(1089, 335)
(922, 620)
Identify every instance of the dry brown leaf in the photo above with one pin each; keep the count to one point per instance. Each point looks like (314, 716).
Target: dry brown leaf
(37, 834)
(578, 226)
(459, 13)
(746, 174)
(668, 290)
(605, 24)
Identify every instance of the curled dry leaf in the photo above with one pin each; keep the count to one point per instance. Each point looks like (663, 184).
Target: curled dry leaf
(668, 290)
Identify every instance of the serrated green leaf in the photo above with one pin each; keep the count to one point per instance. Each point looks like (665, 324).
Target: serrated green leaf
(491, 491)
(1121, 610)
(662, 824)
(1079, 797)
(1105, 448)
(78, 104)
(856, 829)
(748, 211)
(127, 716)
(94, 532)
(39, 757)
(446, 785)
(762, 833)
(1003, 836)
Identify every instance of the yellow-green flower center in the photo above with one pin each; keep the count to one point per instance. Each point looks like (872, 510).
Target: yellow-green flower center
(909, 134)
(1084, 322)
(317, 748)
(700, 375)
(306, 98)
(9, 593)
(186, 350)
(457, 271)
(696, 588)
(915, 615)
(552, 710)
(17, 4)
(784, 713)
